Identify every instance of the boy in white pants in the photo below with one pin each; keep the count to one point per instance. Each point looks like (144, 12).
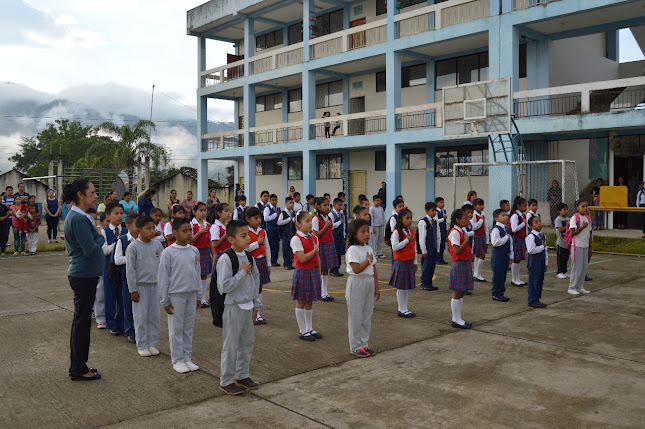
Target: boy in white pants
(180, 286)
(581, 248)
(142, 268)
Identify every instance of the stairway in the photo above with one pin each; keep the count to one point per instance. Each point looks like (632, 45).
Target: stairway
(508, 147)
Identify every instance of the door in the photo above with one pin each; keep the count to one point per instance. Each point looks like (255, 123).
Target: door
(240, 126)
(357, 186)
(357, 40)
(356, 126)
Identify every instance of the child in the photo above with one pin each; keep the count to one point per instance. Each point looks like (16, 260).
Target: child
(480, 247)
(362, 288)
(271, 213)
(461, 272)
(337, 125)
(441, 221)
(261, 254)
(285, 220)
(377, 216)
(500, 239)
(533, 210)
(405, 262)
(240, 201)
(99, 300)
(264, 200)
(155, 214)
(470, 198)
(538, 261)
(361, 212)
(518, 228)
(309, 205)
(142, 269)
(120, 260)
(581, 248)
(338, 232)
(203, 244)
(218, 231)
(506, 206)
(397, 205)
(306, 284)
(112, 291)
(297, 205)
(32, 228)
(241, 291)
(469, 228)
(19, 224)
(177, 212)
(327, 124)
(322, 227)
(429, 245)
(179, 289)
(327, 197)
(563, 251)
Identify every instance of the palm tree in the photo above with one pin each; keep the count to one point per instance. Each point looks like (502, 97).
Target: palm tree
(126, 148)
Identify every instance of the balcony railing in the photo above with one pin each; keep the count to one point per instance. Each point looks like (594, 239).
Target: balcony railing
(275, 133)
(417, 117)
(276, 59)
(354, 124)
(525, 4)
(439, 16)
(223, 73)
(223, 140)
(346, 40)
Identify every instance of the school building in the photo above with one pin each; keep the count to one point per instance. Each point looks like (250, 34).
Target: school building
(379, 69)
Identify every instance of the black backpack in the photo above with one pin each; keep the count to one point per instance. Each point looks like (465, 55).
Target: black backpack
(417, 234)
(114, 270)
(388, 231)
(216, 298)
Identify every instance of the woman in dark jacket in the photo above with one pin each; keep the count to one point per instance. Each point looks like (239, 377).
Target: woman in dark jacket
(145, 202)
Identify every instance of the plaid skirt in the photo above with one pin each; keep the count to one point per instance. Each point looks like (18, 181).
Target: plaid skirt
(306, 284)
(461, 276)
(403, 275)
(215, 259)
(480, 247)
(327, 255)
(519, 248)
(263, 268)
(205, 261)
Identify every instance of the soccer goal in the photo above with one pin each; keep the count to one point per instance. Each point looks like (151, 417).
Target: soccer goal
(505, 180)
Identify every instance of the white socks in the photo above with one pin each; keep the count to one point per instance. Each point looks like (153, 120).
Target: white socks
(455, 305)
(300, 318)
(323, 286)
(515, 273)
(309, 320)
(402, 299)
(204, 286)
(479, 264)
(259, 299)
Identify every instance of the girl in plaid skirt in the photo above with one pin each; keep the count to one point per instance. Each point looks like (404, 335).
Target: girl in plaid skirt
(218, 231)
(306, 278)
(518, 229)
(202, 242)
(260, 252)
(405, 261)
(461, 272)
(480, 247)
(322, 227)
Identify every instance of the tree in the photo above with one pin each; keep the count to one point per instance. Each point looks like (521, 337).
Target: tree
(230, 175)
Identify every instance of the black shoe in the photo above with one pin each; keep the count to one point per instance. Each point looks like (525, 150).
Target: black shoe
(257, 322)
(306, 337)
(205, 305)
(132, 339)
(442, 262)
(114, 332)
(121, 330)
(96, 376)
(468, 293)
(261, 321)
(429, 288)
(587, 278)
(289, 267)
(480, 280)
(327, 298)
(335, 274)
(276, 265)
(501, 298)
(537, 304)
(466, 325)
(408, 315)
(316, 335)
(518, 284)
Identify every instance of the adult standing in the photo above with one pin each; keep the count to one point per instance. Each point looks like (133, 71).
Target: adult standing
(554, 197)
(86, 261)
(129, 206)
(382, 194)
(51, 205)
(145, 202)
(21, 191)
(238, 190)
(620, 218)
(171, 202)
(211, 204)
(292, 190)
(5, 219)
(188, 203)
(595, 194)
(640, 202)
(101, 208)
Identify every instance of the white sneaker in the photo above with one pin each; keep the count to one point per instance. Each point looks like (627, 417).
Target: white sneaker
(567, 275)
(145, 353)
(561, 276)
(584, 291)
(153, 351)
(180, 367)
(573, 292)
(191, 366)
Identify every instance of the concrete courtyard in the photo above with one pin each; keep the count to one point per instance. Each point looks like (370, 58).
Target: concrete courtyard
(579, 363)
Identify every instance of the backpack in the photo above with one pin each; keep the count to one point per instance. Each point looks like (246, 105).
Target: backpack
(388, 232)
(568, 238)
(216, 298)
(114, 270)
(417, 234)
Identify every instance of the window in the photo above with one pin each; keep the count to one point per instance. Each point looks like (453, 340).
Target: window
(413, 76)
(381, 7)
(295, 33)
(408, 3)
(268, 167)
(413, 159)
(381, 82)
(446, 157)
(329, 94)
(268, 40)
(329, 167)
(330, 22)
(265, 103)
(468, 69)
(295, 168)
(461, 70)
(295, 100)
(523, 60)
(379, 160)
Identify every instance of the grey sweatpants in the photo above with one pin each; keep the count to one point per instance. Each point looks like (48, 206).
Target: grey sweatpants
(379, 233)
(146, 314)
(99, 302)
(579, 266)
(181, 324)
(239, 340)
(359, 296)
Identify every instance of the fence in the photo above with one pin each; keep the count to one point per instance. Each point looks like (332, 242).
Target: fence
(529, 179)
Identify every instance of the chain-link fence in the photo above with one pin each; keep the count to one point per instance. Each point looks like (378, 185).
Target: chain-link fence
(549, 182)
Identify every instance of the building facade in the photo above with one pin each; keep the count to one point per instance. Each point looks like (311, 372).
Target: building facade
(378, 68)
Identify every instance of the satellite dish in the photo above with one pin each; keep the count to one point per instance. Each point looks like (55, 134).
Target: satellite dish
(615, 143)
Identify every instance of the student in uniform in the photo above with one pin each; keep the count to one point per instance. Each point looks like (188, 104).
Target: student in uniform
(640, 202)
(241, 289)
(468, 230)
(518, 228)
(240, 202)
(120, 260)
(99, 299)
(264, 200)
(563, 251)
(218, 231)
(362, 288)
(377, 216)
(271, 213)
(500, 240)
(461, 272)
(442, 217)
(479, 225)
(581, 248)
(261, 252)
(338, 218)
(112, 292)
(429, 245)
(538, 261)
(284, 221)
(533, 210)
(322, 225)
(309, 204)
(297, 205)
(397, 205)
(177, 211)
(405, 261)
(179, 290)
(306, 284)
(155, 215)
(201, 240)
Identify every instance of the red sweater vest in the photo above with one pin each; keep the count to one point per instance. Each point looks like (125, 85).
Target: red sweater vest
(261, 250)
(521, 232)
(408, 252)
(204, 240)
(308, 246)
(481, 230)
(329, 234)
(225, 244)
(465, 254)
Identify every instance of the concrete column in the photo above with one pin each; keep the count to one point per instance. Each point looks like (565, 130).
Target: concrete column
(430, 89)
(202, 179)
(537, 64)
(249, 178)
(430, 158)
(50, 171)
(308, 101)
(285, 178)
(504, 51)
(249, 113)
(393, 90)
(346, 18)
(140, 177)
(392, 11)
(201, 61)
(308, 172)
(236, 172)
(148, 184)
(59, 179)
(345, 97)
(613, 47)
(202, 127)
(285, 36)
(249, 43)
(345, 155)
(308, 10)
(393, 173)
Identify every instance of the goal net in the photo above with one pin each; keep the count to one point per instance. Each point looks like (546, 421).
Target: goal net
(494, 182)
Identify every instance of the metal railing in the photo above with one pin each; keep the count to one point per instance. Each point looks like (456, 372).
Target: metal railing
(371, 36)
(415, 120)
(525, 4)
(322, 131)
(609, 101)
(460, 13)
(415, 25)
(547, 106)
(365, 126)
(289, 134)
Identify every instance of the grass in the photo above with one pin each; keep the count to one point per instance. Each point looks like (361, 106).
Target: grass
(610, 244)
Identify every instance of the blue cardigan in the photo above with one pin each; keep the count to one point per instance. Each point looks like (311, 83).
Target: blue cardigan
(84, 246)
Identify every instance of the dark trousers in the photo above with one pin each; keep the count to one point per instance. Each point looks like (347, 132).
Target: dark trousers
(563, 258)
(643, 222)
(113, 304)
(5, 227)
(52, 227)
(19, 239)
(536, 276)
(128, 319)
(274, 245)
(499, 264)
(79, 342)
(287, 256)
(339, 246)
(442, 248)
(428, 266)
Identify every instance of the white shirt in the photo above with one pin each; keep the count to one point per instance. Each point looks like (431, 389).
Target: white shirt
(443, 219)
(285, 218)
(640, 199)
(358, 254)
(515, 219)
(477, 221)
(79, 211)
(397, 244)
(454, 238)
(529, 215)
(167, 230)
(255, 245)
(297, 207)
(296, 244)
(215, 230)
(495, 238)
(423, 233)
(532, 249)
(108, 248)
(582, 239)
(236, 212)
(160, 227)
(338, 223)
(468, 233)
(393, 221)
(194, 221)
(119, 258)
(268, 217)
(315, 222)
(467, 203)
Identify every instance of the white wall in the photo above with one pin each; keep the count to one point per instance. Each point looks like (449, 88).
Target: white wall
(631, 69)
(272, 183)
(331, 186)
(413, 190)
(373, 100)
(268, 118)
(580, 60)
(365, 161)
(444, 188)
(578, 151)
